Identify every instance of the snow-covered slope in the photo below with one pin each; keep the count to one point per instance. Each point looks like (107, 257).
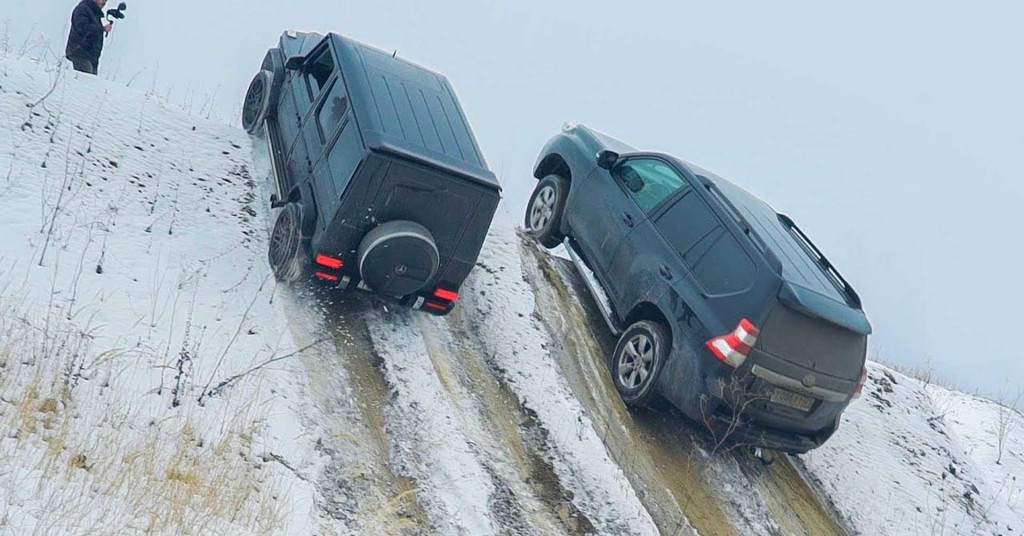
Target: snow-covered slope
(912, 459)
(133, 292)
(155, 380)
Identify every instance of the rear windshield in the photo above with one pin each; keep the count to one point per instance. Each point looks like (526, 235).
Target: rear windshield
(797, 265)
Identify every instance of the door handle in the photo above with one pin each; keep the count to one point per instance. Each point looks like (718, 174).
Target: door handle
(665, 272)
(627, 218)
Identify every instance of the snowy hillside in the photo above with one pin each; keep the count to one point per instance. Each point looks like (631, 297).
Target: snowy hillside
(133, 292)
(912, 459)
(155, 380)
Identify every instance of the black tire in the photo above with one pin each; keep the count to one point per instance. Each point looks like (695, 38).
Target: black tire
(257, 102)
(647, 345)
(287, 250)
(544, 212)
(398, 258)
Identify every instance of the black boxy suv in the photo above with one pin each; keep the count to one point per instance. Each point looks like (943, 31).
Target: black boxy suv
(724, 307)
(380, 182)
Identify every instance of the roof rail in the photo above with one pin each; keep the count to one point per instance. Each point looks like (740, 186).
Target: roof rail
(837, 279)
(745, 226)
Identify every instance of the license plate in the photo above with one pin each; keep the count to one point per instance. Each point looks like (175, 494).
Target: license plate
(791, 399)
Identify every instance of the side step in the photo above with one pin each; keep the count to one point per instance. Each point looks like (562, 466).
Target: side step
(594, 286)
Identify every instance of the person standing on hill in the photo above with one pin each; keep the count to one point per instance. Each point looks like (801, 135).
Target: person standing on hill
(85, 42)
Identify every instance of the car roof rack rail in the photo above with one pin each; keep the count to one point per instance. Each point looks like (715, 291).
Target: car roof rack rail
(819, 257)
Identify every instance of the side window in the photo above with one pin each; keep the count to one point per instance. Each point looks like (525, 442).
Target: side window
(649, 181)
(713, 255)
(319, 72)
(344, 158)
(333, 111)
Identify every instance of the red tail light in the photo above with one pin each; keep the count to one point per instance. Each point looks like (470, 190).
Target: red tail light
(436, 306)
(326, 277)
(330, 262)
(446, 295)
(733, 349)
(860, 384)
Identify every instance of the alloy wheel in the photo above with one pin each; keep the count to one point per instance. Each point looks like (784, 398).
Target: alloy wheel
(543, 209)
(636, 361)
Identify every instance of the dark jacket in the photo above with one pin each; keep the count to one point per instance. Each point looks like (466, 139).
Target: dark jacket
(86, 38)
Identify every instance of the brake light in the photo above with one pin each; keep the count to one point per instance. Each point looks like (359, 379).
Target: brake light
(330, 262)
(860, 383)
(436, 306)
(733, 349)
(326, 277)
(446, 295)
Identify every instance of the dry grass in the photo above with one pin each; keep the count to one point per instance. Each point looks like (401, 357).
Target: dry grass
(91, 460)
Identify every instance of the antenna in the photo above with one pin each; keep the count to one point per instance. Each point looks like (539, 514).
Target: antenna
(395, 53)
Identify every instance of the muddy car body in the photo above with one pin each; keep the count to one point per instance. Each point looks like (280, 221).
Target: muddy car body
(380, 182)
(724, 307)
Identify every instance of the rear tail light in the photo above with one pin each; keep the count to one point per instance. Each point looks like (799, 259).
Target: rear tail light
(437, 306)
(326, 276)
(446, 295)
(860, 383)
(733, 348)
(329, 262)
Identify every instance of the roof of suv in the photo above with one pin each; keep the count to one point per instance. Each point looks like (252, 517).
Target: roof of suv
(404, 108)
(798, 266)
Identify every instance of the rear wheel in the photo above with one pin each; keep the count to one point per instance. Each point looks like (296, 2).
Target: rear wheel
(287, 252)
(257, 103)
(638, 361)
(544, 213)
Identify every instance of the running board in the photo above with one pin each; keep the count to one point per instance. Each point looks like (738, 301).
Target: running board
(594, 286)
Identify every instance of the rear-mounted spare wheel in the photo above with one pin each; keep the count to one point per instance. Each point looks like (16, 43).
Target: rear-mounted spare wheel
(398, 258)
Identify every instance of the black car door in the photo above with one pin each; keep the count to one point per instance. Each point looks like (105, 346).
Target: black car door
(637, 267)
(600, 215)
(314, 79)
(332, 116)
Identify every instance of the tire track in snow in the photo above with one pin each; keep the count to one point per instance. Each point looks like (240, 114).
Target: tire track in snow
(499, 303)
(348, 400)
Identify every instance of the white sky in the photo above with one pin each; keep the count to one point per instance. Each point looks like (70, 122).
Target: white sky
(889, 131)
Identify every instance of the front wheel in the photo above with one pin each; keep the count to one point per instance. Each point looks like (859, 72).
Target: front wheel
(287, 249)
(638, 361)
(544, 213)
(257, 103)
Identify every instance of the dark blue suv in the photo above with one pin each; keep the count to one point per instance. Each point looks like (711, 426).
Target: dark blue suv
(723, 306)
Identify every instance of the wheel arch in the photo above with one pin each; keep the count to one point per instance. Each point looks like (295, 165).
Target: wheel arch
(553, 164)
(274, 64)
(646, 310)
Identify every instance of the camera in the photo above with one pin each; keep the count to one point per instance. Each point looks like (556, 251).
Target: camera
(117, 13)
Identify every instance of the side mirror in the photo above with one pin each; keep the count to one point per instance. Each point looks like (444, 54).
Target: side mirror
(607, 159)
(294, 63)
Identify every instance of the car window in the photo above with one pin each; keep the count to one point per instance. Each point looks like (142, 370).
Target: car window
(706, 247)
(725, 268)
(319, 72)
(649, 181)
(333, 111)
(344, 157)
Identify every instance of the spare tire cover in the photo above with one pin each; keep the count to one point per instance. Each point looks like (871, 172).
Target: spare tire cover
(398, 258)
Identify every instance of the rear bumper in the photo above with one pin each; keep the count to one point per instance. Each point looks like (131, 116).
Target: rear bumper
(423, 304)
(763, 423)
(752, 434)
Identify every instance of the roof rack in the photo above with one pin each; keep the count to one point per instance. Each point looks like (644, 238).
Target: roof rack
(830, 270)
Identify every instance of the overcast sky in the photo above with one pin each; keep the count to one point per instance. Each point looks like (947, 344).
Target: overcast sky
(891, 131)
